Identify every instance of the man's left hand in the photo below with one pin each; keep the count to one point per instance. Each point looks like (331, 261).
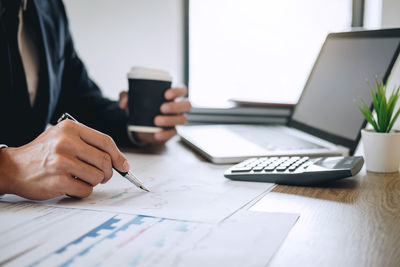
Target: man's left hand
(172, 114)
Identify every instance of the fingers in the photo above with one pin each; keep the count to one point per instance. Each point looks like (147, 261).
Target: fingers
(176, 107)
(92, 164)
(106, 144)
(173, 93)
(67, 185)
(85, 172)
(170, 121)
(123, 100)
(97, 158)
(74, 187)
(157, 138)
(165, 135)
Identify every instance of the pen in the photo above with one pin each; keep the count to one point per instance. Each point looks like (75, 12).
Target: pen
(127, 175)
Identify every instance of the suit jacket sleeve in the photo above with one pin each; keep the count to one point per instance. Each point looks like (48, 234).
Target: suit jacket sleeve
(82, 98)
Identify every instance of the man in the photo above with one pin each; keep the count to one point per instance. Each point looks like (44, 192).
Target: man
(41, 77)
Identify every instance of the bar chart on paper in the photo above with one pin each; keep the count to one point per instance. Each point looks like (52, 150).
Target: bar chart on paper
(128, 240)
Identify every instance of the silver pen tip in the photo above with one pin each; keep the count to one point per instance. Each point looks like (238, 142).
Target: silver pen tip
(144, 188)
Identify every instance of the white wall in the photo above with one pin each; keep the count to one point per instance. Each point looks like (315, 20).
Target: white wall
(390, 13)
(391, 18)
(394, 82)
(113, 35)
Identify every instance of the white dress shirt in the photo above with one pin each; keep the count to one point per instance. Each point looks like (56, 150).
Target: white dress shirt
(28, 51)
(29, 54)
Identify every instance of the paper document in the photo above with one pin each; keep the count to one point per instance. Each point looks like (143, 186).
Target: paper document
(206, 199)
(89, 238)
(26, 226)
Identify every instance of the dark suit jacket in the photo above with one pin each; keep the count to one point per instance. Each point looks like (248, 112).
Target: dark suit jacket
(64, 85)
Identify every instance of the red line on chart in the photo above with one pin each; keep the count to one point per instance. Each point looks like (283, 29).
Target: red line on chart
(134, 237)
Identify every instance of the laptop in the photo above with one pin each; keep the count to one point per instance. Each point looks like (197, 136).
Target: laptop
(325, 121)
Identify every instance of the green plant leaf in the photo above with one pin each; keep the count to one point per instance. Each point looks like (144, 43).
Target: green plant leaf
(378, 92)
(392, 103)
(383, 105)
(374, 99)
(378, 107)
(381, 113)
(394, 120)
(365, 110)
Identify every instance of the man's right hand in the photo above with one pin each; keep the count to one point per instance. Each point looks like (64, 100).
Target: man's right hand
(49, 166)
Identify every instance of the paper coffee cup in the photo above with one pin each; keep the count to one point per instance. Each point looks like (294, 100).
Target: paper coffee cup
(146, 95)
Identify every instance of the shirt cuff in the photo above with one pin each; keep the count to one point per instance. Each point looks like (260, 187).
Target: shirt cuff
(2, 146)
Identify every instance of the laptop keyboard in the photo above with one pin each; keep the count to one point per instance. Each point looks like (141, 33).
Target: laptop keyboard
(274, 139)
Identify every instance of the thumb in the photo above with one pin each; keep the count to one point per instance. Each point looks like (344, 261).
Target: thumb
(123, 100)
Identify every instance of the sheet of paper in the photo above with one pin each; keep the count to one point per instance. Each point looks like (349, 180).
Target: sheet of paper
(89, 238)
(181, 197)
(26, 226)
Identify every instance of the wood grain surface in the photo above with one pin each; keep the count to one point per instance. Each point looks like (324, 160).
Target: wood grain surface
(354, 222)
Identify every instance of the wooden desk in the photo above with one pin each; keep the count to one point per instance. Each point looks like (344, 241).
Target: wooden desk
(353, 222)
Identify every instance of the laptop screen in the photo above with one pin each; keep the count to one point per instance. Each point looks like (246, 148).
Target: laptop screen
(346, 64)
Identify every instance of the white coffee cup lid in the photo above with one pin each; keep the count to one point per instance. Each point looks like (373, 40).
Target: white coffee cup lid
(149, 74)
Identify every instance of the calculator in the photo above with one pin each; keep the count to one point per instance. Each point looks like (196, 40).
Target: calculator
(295, 170)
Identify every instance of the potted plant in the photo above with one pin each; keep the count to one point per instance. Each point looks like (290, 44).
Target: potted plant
(381, 144)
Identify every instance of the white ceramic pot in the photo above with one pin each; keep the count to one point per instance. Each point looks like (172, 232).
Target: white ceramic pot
(381, 150)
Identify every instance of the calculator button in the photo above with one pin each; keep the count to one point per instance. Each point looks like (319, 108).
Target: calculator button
(263, 164)
(292, 169)
(281, 168)
(250, 166)
(258, 162)
(258, 168)
(269, 168)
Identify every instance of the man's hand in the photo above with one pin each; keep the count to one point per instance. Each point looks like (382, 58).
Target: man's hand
(172, 115)
(66, 159)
